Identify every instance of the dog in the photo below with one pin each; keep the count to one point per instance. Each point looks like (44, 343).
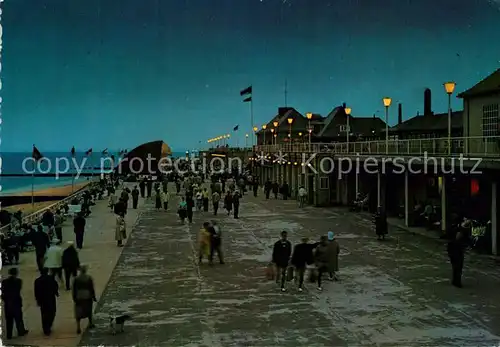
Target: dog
(116, 324)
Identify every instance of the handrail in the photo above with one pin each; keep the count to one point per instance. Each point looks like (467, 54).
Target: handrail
(36, 215)
(484, 146)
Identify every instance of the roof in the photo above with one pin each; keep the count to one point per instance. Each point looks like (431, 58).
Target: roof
(283, 114)
(490, 84)
(433, 122)
(359, 125)
(155, 149)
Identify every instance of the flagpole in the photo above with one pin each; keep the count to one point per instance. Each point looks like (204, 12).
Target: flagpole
(33, 188)
(73, 175)
(251, 119)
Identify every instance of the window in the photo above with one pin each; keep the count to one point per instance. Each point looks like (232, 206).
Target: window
(491, 122)
(343, 128)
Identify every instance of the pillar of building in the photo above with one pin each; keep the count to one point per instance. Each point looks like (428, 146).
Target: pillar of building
(444, 210)
(407, 210)
(357, 183)
(379, 188)
(294, 181)
(338, 182)
(494, 228)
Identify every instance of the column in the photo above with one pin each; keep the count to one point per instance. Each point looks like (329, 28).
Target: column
(338, 181)
(444, 211)
(379, 202)
(407, 222)
(294, 181)
(357, 184)
(494, 230)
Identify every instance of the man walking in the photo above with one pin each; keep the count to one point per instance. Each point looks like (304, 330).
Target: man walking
(53, 259)
(135, 197)
(79, 229)
(281, 256)
(215, 242)
(302, 196)
(58, 222)
(215, 202)
(236, 204)
(302, 256)
(46, 291)
(13, 304)
(70, 263)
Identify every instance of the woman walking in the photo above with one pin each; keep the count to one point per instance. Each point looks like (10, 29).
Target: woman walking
(182, 211)
(120, 230)
(83, 298)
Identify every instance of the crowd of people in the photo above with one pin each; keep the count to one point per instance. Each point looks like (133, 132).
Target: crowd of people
(58, 265)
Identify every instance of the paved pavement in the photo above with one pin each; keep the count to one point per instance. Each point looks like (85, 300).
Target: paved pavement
(99, 252)
(392, 293)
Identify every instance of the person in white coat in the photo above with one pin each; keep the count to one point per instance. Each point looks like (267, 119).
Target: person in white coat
(53, 259)
(302, 196)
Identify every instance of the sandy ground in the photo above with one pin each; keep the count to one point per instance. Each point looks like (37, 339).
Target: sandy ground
(55, 191)
(390, 294)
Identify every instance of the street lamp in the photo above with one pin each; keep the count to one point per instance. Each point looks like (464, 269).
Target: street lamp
(272, 136)
(348, 115)
(309, 116)
(449, 87)
(290, 121)
(255, 132)
(264, 130)
(387, 103)
(246, 140)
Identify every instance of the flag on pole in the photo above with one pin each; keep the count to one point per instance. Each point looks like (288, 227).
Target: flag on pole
(247, 99)
(89, 151)
(36, 154)
(236, 128)
(73, 151)
(246, 91)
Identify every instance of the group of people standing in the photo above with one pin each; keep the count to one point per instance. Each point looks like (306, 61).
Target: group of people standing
(321, 258)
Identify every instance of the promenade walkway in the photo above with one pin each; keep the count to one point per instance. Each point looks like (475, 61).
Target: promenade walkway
(99, 252)
(392, 293)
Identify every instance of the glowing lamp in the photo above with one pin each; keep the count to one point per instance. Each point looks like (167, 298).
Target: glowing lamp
(264, 126)
(347, 110)
(275, 124)
(309, 115)
(449, 87)
(290, 120)
(255, 129)
(387, 101)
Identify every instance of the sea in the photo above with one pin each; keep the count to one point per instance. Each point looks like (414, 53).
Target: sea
(12, 163)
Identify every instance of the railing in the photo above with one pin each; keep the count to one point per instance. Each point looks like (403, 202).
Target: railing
(468, 146)
(36, 216)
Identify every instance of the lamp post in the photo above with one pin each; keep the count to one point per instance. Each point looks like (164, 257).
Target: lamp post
(275, 124)
(290, 121)
(264, 130)
(348, 130)
(449, 87)
(309, 116)
(272, 136)
(387, 103)
(246, 140)
(255, 132)
(227, 139)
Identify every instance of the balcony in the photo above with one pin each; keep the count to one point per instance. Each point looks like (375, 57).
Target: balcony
(482, 147)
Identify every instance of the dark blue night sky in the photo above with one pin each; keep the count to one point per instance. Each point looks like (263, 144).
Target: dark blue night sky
(116, 73)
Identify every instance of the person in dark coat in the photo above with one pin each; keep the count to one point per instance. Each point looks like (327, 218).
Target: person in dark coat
(381, 225)
(84, 298)
(13, 304)
(267, 189)
(79, 229)
(41, 242)
(46, 292)
(48, 219)
(120, 207)
(228, 202)
(142, 187)
(255, 186)
(189, 206)
(236, 204)
(58, 223)
(275, 190)
(303, 255)
(285, 190)
(215, 242)
(456, 252)
(70, 263)
(282, 251)
(135, 197)
(149, 185)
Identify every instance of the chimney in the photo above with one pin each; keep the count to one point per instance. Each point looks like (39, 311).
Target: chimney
(427, 102)
(374, 116)
(400, 113)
